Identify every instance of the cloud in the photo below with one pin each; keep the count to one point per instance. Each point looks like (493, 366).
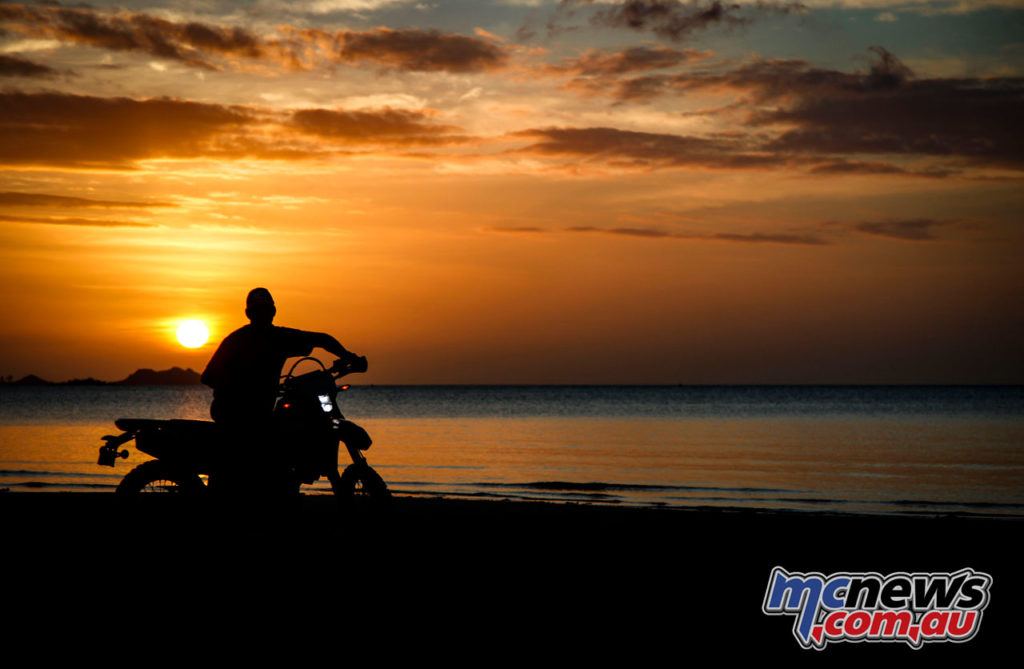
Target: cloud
(743, 238)
(597, 62)
(83, 222)
(17, 199)
(523, 229)
(627, 148)
(78, 130)
(413, 49)
(332, 6)
(884, 109)
(856, 167)
(767, 238)
(13, 66)
(887, 111)
(843, 166)
(917, 230)
(659, 233)
(82, 131)
(652, 233)
(676, 20)
(383, 126)
(190, 43)
(203, 45)
(777, 79)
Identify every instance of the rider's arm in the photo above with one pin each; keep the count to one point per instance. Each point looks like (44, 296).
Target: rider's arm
(301, 342)
(331, 345)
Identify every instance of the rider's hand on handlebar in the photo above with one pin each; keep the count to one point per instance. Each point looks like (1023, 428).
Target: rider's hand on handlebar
(351, 363)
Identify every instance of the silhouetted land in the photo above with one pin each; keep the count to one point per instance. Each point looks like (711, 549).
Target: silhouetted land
(511, 578)
(175, 376)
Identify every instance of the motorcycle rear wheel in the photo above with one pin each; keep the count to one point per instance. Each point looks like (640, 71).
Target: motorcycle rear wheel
(155, 477)
(361, 488)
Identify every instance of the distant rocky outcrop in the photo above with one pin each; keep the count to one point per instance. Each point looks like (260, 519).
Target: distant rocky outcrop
(175, 376)
(86, 382)
(32, 380)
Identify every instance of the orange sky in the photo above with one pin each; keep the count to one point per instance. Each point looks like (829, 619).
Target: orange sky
(466, 202)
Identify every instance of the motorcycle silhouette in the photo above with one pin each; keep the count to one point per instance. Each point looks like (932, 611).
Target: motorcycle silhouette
(308, 429)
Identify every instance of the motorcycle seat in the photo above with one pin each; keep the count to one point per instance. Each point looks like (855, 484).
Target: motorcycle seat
(192, 442)
(138, 424)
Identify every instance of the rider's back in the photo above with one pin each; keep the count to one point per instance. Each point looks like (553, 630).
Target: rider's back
(245, 371)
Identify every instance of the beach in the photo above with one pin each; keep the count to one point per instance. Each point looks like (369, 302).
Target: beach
(572, 522)
(504, 572)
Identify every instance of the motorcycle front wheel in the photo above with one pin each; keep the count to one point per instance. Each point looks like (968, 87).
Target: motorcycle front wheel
(360, 487)
(155, 477)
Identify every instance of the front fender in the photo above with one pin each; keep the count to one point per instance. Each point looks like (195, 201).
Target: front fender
(352, 435)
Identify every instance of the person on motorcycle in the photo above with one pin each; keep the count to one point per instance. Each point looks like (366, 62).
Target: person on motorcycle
(245, 371)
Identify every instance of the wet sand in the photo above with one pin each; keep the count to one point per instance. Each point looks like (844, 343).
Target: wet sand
(514, 577)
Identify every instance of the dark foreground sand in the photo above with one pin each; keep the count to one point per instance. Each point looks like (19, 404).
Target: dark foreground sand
(446, 579)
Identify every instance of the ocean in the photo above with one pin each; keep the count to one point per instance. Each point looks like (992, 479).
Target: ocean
(884, 449)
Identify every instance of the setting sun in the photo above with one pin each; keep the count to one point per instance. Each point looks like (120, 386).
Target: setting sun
(193, 333)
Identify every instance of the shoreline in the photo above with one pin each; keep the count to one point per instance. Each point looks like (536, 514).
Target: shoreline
(630, 569)
(838, 508)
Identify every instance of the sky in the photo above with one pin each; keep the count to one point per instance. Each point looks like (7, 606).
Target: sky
(520, 191)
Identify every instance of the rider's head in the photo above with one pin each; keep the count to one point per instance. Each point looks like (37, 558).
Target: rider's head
(259, 307)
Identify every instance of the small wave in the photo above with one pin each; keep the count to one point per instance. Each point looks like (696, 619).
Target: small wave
(968, 505)
(34, 485)
(599, 486)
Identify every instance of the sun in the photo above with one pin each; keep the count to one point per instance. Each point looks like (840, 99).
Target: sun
(193, 333)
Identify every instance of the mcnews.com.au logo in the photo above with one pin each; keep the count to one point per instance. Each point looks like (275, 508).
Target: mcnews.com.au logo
(865, 606)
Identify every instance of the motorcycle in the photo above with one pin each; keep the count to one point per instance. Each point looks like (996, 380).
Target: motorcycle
(308, 426)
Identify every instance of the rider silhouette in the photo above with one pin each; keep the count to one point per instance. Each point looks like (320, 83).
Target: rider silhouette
(246, 369)
(244, 374)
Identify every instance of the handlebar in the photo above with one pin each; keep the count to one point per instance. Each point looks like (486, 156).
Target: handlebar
(342, 366)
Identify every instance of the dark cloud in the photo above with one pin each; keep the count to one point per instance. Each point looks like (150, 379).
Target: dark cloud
(189, 43)
(385, 125)
(83, 222)
(16, 199)
(78, 130)
(917, 230)
(768, 238)
(628, 232)
(659, 233)
(420, 50)
(601, 63)
(84, 131)
(976, 120)
(12, 66)
(884, 110)
(676, 20)
(743, 238)
(771, 79)
(856, 167)
(842, 166)
(232, 41)
(203, 45)
(629, 148)
(524, 229)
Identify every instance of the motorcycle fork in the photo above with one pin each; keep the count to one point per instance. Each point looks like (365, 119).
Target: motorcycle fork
(356, 455)
(334, 476)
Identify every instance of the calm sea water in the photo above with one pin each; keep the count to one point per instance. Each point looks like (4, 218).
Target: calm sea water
(862, 449)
